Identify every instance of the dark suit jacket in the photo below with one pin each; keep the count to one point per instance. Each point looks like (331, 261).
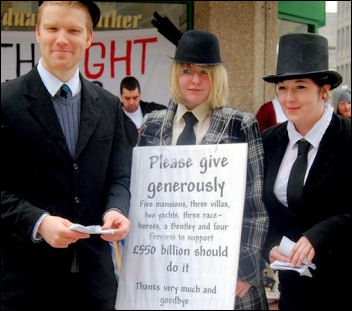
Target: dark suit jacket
(131, 130)
(323, 216)
(39, 175)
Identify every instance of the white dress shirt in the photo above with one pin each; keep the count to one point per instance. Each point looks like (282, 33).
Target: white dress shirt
(201, 112)
(314, 137)
(53, 84)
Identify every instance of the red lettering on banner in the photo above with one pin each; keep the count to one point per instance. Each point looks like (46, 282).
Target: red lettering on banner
(114, 58)
(127, 58)
(99, 65)
(144, 44)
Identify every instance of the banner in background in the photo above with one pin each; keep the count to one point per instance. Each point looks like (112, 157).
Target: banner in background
(142, 53)
(186, 219)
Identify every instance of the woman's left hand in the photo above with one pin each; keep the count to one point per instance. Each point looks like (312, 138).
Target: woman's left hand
(242, 288)
(303, 250)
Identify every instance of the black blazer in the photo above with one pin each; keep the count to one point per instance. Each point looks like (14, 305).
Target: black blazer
(39, 175)
(323, 215)
(131, 130)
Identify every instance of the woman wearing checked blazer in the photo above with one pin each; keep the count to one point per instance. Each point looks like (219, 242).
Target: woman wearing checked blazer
(309, 205)
(198, 85)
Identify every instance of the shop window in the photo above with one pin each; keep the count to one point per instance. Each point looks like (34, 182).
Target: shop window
(22, 15)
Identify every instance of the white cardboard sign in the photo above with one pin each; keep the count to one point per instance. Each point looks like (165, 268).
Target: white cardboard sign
(186, 218)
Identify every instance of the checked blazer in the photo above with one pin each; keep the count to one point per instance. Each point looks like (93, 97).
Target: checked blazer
(243, 127)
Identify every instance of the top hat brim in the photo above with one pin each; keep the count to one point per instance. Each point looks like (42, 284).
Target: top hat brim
(94, 11)
(329, 76)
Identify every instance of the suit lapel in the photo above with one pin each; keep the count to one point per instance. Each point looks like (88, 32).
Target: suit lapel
(218, 121)
(326, 155)
(43, 110)
(90, 115)
(165, 133)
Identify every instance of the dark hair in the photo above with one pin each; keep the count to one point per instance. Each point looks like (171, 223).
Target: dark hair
(129, 83)
(319, 81)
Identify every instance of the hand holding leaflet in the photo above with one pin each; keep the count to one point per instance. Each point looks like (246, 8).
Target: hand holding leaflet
(285, 248)
(91, 229)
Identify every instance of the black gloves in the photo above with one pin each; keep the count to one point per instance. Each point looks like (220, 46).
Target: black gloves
(166, 28)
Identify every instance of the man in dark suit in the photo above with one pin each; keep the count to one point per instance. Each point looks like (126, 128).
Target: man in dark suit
(65, 159)
(134, 108)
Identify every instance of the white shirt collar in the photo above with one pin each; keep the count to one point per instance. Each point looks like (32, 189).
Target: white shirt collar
(200, 112)
(316, 133)
(53, 84)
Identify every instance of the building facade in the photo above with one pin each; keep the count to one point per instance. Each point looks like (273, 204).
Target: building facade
(343, 44)
(248, 32)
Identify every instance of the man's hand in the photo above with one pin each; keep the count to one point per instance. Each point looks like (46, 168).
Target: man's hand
(242, 288)
(55, 231)
(115, 220)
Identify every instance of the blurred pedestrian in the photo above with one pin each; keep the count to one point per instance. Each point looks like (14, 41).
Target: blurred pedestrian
(270, 114)
(343, 104)
(134, 108)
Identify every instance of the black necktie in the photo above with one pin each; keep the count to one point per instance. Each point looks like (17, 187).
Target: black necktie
(65, 91)
(298, 171)
(188, 137)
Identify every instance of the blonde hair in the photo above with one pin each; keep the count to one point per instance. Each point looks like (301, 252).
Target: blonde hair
(218, 78)
(70, 4)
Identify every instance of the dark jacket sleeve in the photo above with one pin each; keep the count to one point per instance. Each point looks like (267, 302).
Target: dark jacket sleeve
(120, 163)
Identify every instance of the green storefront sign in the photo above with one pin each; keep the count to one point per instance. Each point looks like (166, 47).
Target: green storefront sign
(310, 13)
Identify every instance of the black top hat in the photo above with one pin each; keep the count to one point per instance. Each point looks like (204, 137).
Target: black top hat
(304, 55)
(94, 11)
(198, 47)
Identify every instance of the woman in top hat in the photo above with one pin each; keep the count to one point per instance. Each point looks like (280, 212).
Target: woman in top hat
(197, 115)
(307, 163)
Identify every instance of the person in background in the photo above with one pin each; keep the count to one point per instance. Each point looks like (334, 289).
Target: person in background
(65, 160)
(307, 170)
(197, 114)
(343, 104)
(134, 108)
(270, 114)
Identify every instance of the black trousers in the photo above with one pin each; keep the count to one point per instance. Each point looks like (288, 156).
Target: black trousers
(316, 293)
(67, 293)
